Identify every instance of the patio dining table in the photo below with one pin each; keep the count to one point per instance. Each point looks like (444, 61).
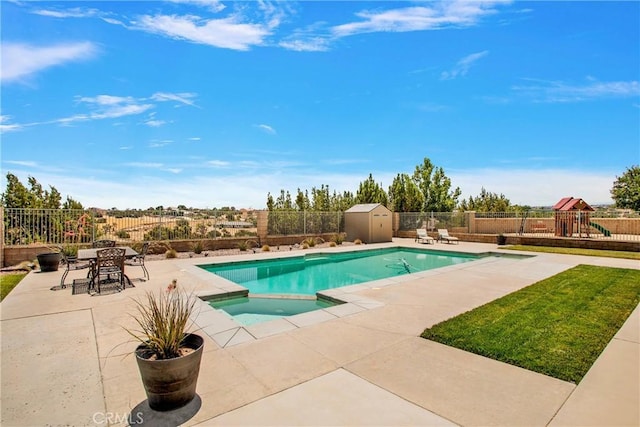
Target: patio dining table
(91, 254)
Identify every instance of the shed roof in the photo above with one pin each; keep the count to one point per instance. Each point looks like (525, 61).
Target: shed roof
(571, 204)
(364, 207)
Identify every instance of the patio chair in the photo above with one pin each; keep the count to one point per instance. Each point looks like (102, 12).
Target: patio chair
(423, 237)
(139, 260)
(104, 243)
(443, 235)
(109, 264)
(71, 263)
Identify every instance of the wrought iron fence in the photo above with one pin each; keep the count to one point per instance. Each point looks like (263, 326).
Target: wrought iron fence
(283, 223)
(62, 226)
(613, 225)
(431, 221)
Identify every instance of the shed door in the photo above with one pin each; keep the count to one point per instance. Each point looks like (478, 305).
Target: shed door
(378, 228)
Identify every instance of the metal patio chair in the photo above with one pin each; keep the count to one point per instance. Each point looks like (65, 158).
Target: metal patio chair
(109, 268)
(139, 260)
(71, 263)
(104, 243)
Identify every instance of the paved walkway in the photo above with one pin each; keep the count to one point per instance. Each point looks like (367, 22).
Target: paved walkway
(66, 359)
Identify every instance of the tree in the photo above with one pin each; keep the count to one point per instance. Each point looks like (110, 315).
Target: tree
(435, 187)
(404, 195)
(486, 202)
(370, 191)
(71, 204)
(626, 189)
(16, 195)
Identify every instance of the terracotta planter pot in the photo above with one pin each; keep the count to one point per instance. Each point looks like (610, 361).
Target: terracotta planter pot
(49, 261)
(171, 383)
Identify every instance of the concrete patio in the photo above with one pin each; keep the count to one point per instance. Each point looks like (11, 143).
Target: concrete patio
(66, 359)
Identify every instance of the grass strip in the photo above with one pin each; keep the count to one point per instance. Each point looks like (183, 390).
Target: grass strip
(576, 251)
(8, 282)
(557, 327)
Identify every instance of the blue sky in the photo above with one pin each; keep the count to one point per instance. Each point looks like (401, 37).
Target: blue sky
(210, 104)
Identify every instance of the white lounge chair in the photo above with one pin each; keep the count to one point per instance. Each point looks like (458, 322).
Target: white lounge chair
(423, 237)
(443, 235)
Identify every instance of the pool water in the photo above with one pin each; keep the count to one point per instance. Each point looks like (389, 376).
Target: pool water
(249, 311)
(308, 274)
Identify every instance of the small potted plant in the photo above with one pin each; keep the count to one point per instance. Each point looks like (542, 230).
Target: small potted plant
(501, 239)
(168, 356)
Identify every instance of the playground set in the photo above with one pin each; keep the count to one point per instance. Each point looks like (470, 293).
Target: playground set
(572, 215)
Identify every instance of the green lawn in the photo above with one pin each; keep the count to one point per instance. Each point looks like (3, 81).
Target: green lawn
(557, 327)
(8, 282)
(576, 251)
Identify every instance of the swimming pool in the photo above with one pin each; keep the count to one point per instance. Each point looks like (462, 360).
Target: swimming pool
(310, 273)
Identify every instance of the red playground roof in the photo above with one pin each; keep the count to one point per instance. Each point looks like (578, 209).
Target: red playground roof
(571, 204)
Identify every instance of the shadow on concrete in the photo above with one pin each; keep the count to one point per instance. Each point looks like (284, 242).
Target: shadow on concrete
(143, 415)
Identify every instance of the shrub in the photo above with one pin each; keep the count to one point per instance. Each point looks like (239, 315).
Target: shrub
(357, 242)
(305, 246)
(198, 247)
(332, 244)
(243, 245)
(337, 239)
(122, 234)
(70, 250)
(265, 248)
(171, 253)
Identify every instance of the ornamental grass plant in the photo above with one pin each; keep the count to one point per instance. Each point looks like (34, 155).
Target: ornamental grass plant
(164, 318)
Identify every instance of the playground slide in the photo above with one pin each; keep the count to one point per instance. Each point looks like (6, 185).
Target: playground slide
(601, 229)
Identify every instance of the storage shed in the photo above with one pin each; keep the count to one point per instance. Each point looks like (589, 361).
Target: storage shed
(370, 222)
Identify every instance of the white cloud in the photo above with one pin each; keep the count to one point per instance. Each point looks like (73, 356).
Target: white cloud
(306, 44)
(558, 91)
(230, 187)
(533, 188)
(107, 100)
(212, 5)
(463, 65)
(75, 12)
(25, 163)
(155, 123)
(218, 163)
(419, 18)
(146, 165)
(20, 60)
(108, 107)
(224, 33)
(183, 98)
(5, 126)
(268, 129)
(159, 144)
